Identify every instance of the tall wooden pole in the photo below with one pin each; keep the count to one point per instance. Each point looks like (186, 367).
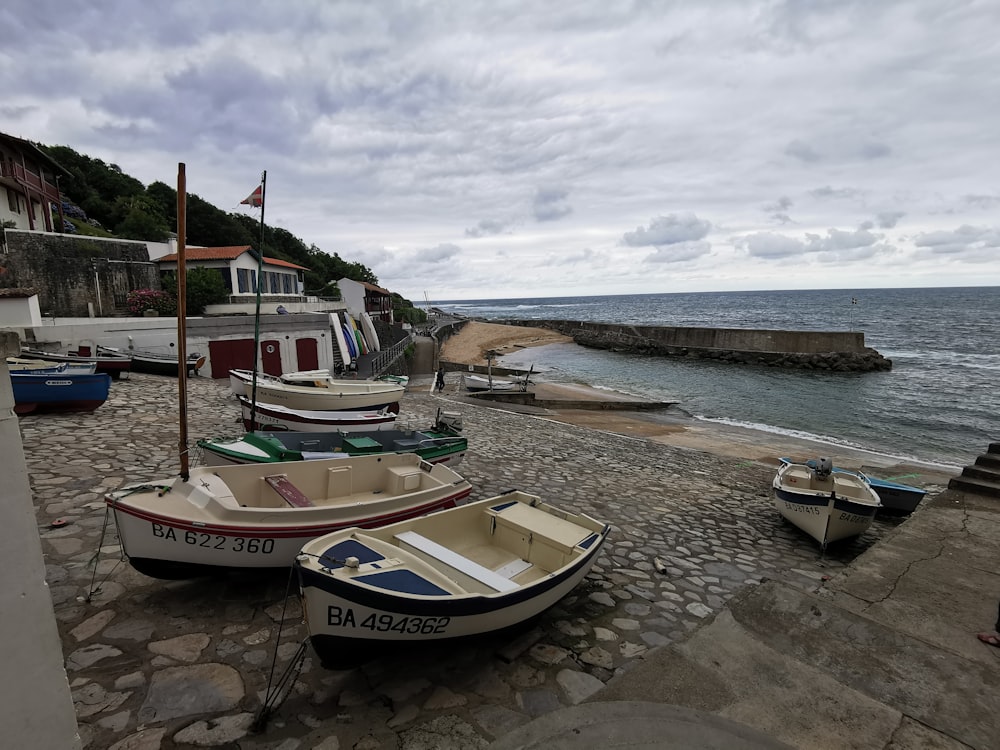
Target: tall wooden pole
(256, 317)
(182, 316)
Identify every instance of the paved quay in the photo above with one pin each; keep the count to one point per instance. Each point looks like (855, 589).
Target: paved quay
(707, 621)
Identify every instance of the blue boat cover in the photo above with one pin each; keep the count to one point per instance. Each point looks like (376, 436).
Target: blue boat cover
(404, 581)
(334, 556)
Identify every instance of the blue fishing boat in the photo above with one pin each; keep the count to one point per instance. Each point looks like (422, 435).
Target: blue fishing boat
(59, 391)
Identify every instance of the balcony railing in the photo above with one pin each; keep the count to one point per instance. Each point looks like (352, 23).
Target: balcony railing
(25, 177)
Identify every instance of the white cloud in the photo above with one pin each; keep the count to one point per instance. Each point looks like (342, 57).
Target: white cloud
(472, 148)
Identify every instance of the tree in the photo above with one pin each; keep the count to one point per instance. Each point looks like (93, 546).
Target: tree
(205, 287)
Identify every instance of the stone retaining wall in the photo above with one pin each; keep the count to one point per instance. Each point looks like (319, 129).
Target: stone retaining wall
(841, 351)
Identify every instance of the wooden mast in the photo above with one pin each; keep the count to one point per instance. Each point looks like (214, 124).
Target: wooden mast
(182, 317)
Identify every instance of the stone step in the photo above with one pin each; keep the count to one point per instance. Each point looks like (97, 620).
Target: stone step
(979, 471)
(991, 460)
(994, 448)
(974, 485)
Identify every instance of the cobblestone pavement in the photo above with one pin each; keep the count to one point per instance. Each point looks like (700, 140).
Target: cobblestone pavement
(178, 664)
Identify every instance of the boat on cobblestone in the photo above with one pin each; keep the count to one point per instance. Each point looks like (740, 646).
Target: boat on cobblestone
(322, 395)
(111, 362)
(442, 442)
(59, 391)
(896, 497)
(826, 504)
(492, 565)
(272, 417)
(260, 515)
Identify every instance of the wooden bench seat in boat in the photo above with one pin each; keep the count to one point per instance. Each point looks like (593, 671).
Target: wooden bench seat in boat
(456, 561)
(288, 491)
(559, 533)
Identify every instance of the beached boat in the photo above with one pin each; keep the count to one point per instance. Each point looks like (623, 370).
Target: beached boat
(34, 392)
(339, 395)
(825, 504)
(438, 444)
(479, 383)
(160, 363)
(260, 515)
(112, 363)
(41, 367)
(487, 566)
(896, 498)
(272, 417)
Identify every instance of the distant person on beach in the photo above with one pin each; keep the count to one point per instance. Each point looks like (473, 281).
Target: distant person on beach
(439, 382)
(992, 639)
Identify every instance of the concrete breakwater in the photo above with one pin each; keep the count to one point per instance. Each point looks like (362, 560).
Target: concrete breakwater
(841, 351)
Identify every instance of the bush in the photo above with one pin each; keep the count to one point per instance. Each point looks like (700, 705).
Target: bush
(140, 300)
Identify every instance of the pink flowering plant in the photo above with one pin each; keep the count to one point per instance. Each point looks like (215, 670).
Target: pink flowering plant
(140, 300)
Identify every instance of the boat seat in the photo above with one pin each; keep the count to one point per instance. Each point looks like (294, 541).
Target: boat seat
(459, 562)
(288, 491)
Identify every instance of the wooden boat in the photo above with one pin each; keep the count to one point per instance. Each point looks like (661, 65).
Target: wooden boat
(483, 567)
(438, 444)
(162, 363)
(825, 504)
(272, 417)
(41, 367)
(895, 497)
(479, 383)
(260, 515)
(35, 392)
(331, 395)
(110, 362)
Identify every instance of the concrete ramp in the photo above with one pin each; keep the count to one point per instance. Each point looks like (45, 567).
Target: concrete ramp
(814, 675)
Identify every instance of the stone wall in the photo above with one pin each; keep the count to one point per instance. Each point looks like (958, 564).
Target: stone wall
(74, 273)
(842, 351)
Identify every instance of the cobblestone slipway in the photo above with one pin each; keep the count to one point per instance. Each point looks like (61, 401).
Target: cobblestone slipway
(179, 664)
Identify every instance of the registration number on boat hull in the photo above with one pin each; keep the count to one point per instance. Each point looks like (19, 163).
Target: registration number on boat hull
(345, 617)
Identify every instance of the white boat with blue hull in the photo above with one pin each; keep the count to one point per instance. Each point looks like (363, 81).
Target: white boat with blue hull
(487, 566)
(825, 504)
(896, 498)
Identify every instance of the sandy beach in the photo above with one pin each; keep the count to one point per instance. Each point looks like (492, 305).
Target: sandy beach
(673, 426)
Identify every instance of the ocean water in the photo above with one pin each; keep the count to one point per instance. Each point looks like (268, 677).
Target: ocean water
(938, 404)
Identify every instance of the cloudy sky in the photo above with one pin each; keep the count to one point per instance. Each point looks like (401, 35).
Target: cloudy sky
(465, 149)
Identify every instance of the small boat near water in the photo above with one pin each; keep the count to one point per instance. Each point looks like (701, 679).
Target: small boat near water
(486, 566)
(825, 504)
(895, 497)
(260, 515)
(479, 383)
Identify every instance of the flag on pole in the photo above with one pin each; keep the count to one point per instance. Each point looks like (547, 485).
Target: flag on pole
(255, 199)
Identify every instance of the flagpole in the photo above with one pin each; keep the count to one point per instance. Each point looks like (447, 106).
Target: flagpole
(260, 284)
(182, 443)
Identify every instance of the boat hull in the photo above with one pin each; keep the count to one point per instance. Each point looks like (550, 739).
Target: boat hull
(330, 395)
(840, 507)
(259, 516)
(58, 392)
(156, 365)
(364, 592)
(273, 417)
(272, 447)
(113, 366)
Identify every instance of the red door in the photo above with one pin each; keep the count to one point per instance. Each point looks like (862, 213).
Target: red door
(232, 354)
(307, 354)
(270, 357)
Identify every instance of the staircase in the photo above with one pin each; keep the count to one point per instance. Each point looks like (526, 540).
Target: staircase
(983, 477)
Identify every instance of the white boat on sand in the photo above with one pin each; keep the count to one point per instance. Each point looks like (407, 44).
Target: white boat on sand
(274, 417)
(825, 504)
(486, 566)
(260, 515)
(479, 383)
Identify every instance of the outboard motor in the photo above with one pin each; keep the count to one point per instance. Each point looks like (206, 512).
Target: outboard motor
(822, 468)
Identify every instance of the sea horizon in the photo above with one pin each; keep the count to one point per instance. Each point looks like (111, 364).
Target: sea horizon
(934, 406)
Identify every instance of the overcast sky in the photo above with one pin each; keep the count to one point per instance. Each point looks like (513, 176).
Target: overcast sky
(471, 149)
